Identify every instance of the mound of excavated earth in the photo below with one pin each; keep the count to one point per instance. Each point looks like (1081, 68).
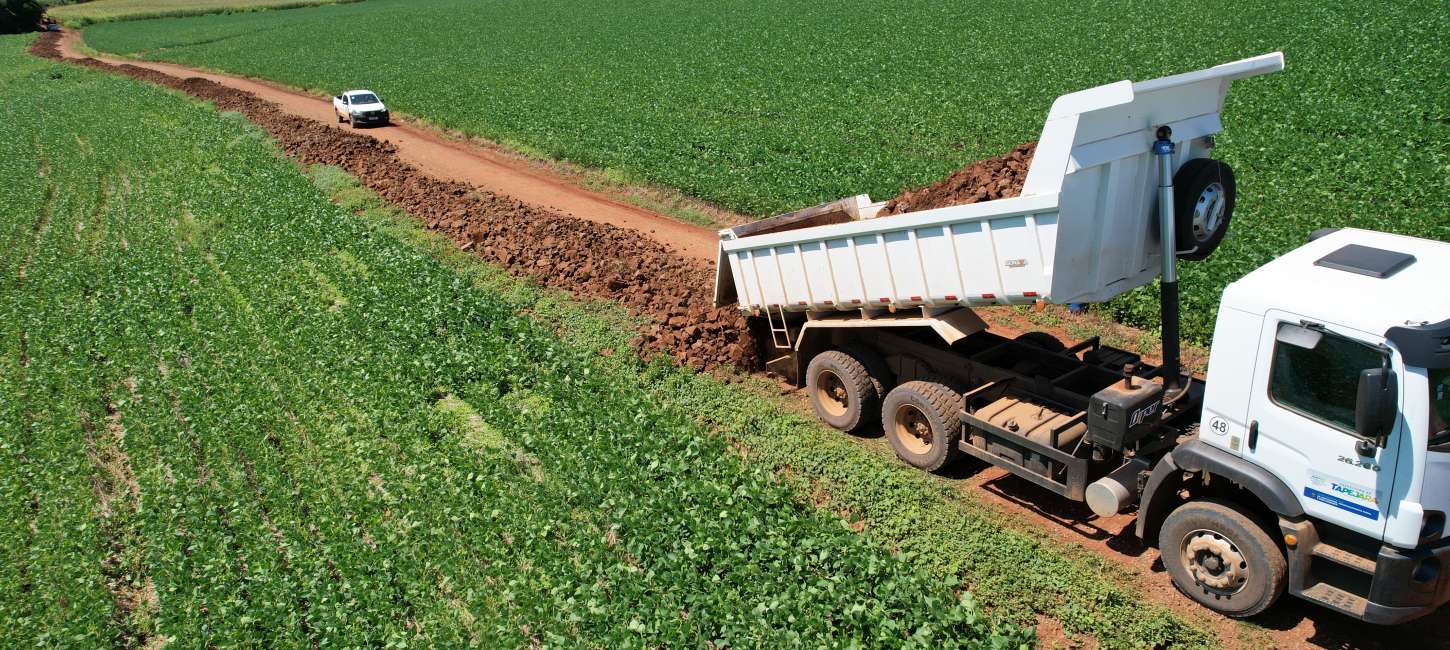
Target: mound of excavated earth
(984, 180)
(586, 258)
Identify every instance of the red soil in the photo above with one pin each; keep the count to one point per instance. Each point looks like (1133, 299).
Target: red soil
(984, 180)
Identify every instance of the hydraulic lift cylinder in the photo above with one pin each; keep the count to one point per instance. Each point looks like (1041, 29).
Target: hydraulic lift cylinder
(1168, 238)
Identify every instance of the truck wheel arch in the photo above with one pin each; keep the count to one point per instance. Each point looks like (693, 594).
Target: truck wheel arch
(1195, 457)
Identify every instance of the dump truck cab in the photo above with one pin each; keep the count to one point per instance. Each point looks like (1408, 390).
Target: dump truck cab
(1327, 395)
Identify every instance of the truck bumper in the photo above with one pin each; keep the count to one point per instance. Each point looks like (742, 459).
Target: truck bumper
(370, 119)
(1402, 585)
(1408, 584)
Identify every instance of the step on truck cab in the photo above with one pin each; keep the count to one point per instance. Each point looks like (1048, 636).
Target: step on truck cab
(1313, 457)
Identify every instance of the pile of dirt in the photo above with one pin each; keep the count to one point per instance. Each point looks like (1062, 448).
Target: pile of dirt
(984, 180)
(586, 258)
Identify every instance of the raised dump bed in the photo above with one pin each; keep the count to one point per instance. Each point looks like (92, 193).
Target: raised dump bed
(1083, 230)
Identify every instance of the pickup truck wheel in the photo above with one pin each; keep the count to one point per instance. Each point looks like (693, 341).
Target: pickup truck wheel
(842, 390)
(1219, 556)
(1203, 197)
(920, 420)
(339, 117)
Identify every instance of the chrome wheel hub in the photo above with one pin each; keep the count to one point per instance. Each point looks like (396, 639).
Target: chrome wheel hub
(1208, 211)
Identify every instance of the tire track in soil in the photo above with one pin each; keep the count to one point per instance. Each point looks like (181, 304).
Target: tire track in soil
(584, 257)
(118, 502)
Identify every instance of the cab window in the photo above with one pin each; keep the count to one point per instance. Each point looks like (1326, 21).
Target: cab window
(1316, 373)
(1439, 405)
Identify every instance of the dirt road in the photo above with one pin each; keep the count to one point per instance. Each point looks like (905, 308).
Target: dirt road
(441, 158)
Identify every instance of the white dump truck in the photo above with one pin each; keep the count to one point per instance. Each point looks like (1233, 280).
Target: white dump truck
(1315, 456)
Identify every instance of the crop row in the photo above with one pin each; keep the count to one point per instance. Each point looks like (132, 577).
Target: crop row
(768, 106)
(248, 418)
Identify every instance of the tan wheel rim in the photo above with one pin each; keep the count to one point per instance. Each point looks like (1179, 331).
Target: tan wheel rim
(831, 394)
(913, 429)
(1215, 562)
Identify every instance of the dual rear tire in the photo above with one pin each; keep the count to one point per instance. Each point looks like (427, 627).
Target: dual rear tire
(847, 388)
(920, 420)
(844, 390)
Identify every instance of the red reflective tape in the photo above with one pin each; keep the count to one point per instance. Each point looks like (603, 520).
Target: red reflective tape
(952, 298)
(1029, 294)
(855, 301)
(801, 303)
(916, 298)
(885, 300)
(989, 296)
(829, 302)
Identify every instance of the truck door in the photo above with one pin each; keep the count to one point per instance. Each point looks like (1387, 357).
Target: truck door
(1301, 421)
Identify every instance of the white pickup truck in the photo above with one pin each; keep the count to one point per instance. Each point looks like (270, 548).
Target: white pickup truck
(360, 107)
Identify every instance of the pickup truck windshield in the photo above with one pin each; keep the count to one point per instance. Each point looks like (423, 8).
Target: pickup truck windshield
(1439, 406)
(364, 98)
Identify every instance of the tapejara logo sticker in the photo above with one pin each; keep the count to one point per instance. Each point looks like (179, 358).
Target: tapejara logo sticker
(1343, 495)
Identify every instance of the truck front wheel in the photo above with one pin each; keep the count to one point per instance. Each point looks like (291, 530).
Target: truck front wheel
(920, 420)
(842, 390)
(1219, 556)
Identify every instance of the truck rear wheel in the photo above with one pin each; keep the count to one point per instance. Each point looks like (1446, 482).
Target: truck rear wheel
(842, 390)
(920, 420)
(1203, 198)
(1219, 556)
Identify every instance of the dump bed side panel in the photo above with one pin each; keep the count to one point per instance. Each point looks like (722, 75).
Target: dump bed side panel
(952, 256)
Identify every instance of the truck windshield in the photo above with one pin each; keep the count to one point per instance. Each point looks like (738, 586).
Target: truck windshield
(1439, 406)
(364, 98)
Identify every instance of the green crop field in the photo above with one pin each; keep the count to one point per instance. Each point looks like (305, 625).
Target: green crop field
(236, 414)
(763, 106)
(100, 11)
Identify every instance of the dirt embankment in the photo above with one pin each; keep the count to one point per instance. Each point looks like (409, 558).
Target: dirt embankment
(985, 180)
(587, 258)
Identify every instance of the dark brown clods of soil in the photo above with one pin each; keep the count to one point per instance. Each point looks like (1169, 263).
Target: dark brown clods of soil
(586, 258)
(984, 180)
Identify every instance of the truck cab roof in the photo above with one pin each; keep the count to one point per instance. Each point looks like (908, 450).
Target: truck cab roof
(1360, 279)
(350, 93)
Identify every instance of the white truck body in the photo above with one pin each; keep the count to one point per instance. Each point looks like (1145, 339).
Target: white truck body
(1088, 206)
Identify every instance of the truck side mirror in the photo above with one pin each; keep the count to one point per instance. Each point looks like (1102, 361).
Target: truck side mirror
(1376, 406)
